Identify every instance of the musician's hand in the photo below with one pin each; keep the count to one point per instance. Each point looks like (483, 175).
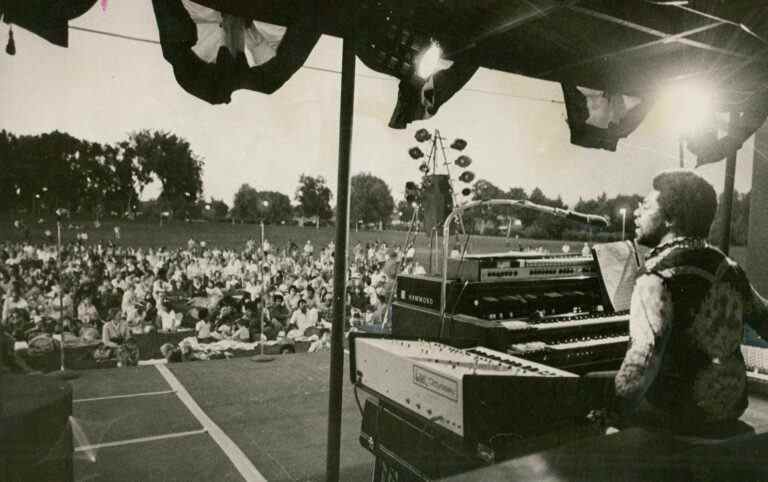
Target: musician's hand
(607, 420)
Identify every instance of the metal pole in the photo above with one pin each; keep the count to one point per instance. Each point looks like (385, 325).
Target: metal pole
(623, 224)
(340, 262)
(681, 151)
(730, 177)
(61, 292)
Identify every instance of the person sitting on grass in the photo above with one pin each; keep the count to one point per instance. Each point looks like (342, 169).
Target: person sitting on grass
(203, 327)
(278, 312)
(240, 332)
(117, 341)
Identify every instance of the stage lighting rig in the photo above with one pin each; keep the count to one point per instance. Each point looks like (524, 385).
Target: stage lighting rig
(415, 153)
(467, 176)
(422, 135)
(459, 144)
(463, 161)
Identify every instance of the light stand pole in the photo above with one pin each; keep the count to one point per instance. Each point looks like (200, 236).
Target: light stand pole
(260, 358)
(265, 204)
(623, 212)
(63, 372)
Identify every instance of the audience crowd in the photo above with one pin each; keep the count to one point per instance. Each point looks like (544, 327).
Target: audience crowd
(110, 293)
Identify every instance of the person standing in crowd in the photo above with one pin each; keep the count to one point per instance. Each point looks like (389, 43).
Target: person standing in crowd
(13, 301)
(684, 369)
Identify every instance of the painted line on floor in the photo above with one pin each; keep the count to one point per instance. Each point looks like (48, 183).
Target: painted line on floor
(85, 448)
(241, 462)
(127, 395)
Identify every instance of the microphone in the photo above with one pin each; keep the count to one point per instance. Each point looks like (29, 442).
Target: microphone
(589, 219)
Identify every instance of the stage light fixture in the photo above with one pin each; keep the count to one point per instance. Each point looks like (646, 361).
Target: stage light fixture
(459, 144)
(411, 191)
(466, 191)
(429, 61)
(62, 213)
(415, 153)
(422, 135)
(463, 161)
(424, 168)
(467, 176)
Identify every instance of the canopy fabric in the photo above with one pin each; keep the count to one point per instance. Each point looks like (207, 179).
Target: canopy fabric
(45, 18)
(617, 47)
(599, 120)
(210, 51)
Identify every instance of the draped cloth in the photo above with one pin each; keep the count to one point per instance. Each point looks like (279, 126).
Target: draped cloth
(48, 19)
(599, 119)
(214, 54)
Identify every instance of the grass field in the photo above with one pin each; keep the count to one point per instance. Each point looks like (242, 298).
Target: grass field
(226, 235)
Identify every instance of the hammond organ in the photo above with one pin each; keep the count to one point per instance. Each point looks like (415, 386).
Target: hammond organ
(568, 311)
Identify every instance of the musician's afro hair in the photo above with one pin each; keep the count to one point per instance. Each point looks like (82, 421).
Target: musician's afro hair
(687, 200)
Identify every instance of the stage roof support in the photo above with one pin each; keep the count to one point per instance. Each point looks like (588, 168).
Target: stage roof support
(333, 449)
(730, 180)
(757, 254)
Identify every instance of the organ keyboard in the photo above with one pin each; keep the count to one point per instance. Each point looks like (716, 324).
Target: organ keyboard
(473, 394)
(535, 324)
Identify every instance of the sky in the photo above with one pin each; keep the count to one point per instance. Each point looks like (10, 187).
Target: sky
(102, 89)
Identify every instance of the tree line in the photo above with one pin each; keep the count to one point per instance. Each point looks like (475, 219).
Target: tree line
(44, 172)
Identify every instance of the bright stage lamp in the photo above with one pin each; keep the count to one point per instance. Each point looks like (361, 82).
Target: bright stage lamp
(689, 105)
(429, 61)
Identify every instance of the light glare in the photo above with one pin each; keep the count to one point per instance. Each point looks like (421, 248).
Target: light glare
(429, 61)
(689, 106)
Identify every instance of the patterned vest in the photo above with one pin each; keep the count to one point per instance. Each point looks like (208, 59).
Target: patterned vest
(702, 377)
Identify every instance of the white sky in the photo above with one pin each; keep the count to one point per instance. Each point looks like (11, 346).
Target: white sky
(101, 89)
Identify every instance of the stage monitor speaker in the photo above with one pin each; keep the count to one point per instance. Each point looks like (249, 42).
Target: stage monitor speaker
(436, 201)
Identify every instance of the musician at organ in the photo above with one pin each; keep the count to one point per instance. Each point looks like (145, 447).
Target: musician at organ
(684, 369)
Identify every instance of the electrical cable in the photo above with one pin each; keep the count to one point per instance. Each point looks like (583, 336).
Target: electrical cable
(320, 69)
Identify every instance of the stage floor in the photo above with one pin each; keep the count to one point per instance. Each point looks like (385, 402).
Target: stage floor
(214, 420)
(226, 420)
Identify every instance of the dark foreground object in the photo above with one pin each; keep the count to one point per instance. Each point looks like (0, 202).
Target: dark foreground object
(35, 435)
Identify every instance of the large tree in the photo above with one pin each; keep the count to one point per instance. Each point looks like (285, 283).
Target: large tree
(481, 219)
(172, 160)
(370, 199)
(47, 171)
(314, 197)
(271, 207)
